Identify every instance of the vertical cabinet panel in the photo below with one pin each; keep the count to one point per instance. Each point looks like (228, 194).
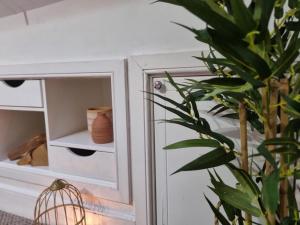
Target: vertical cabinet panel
(180, 197)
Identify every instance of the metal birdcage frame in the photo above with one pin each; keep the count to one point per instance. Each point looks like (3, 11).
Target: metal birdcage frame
(60, 203)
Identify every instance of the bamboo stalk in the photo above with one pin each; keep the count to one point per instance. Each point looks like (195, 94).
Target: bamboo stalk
(284, 119)
(270, 100)
(244, 147)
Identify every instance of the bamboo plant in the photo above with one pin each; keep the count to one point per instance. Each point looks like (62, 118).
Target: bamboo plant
(253, 53)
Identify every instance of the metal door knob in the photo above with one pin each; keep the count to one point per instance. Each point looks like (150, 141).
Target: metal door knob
(158, 85)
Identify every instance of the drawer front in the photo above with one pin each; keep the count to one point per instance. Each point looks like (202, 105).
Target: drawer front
(98, 165)
(17, 93)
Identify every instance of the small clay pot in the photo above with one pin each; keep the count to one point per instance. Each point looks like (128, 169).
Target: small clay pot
(93, 112)
(102, 129)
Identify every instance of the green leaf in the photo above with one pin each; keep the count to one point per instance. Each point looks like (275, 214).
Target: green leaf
(270, 193)
(292, 103)
(176, 104)
(214, 158)
(173, 83)
(183, 123)
(242, 16)
(239, 53)
(231, 116)
(278, 12)
(224, 108)
(237, 199)
(282, 141)
(217, 213)
(215, 107)
(293, 26)
(292, 128)
(286, 59)
(293, 205)
(265, 152)
(192, 143)
(229, 210)
(288, 221)
(212, 14)
(220, 81)
(221, 138)
(182, 115)
(292, 3)
(192, 101)
(245, 181)
(245, 75)
(262, 14)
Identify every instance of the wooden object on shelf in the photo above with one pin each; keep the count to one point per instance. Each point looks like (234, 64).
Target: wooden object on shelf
(40, 156)
(25, 160)
(102, 129)
(37, 157)
(93, 112)
(27, 147)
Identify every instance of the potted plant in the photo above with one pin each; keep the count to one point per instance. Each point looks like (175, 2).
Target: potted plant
(253, 47)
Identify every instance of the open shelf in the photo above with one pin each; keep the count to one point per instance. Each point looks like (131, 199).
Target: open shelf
(17, 127)
(82, 140)
(68, 100)
(25, 167)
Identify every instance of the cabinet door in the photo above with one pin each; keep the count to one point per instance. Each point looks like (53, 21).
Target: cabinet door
(180, 197)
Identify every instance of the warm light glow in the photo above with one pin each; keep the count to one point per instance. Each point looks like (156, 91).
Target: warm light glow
(93, 219)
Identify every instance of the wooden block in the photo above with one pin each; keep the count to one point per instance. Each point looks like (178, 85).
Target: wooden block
(27, 147)
(25, 160)
(40, 156)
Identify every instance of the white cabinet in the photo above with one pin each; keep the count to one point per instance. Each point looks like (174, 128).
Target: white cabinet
(53, 99)
(20, 93)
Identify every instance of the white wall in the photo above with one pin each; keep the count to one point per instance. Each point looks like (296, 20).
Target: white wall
(74, 30)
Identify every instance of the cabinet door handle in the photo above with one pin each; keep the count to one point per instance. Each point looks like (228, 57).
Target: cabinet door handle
(158, 85)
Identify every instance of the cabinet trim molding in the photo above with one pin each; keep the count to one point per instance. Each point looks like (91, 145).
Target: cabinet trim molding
(142, 69)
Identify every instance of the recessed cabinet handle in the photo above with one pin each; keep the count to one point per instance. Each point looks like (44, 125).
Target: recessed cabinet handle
(14, 83)
(82, 152)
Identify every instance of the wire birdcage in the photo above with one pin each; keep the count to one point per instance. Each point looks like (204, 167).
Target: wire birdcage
(60, 204)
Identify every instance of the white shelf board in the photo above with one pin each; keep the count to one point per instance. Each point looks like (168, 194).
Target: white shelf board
(82, 140)
(45, 171)
(13, 163)
(19, 108)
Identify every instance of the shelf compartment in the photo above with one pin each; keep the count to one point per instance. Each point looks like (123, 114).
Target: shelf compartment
(26, 93)
(68, 100)
(97, 165)
(82, 140)
(17, 127)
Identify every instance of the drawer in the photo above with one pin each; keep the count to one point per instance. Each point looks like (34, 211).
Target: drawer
(26, 93)
(85, 163)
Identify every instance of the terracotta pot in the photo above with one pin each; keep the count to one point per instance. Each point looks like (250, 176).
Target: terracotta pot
(93, 112)
(102, 129)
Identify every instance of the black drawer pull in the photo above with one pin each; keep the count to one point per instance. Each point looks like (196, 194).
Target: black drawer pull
(14, 83)
(82, 152)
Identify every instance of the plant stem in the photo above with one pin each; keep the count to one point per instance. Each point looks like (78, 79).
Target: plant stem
(270, 101)
(244, 147)
(284, 119)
